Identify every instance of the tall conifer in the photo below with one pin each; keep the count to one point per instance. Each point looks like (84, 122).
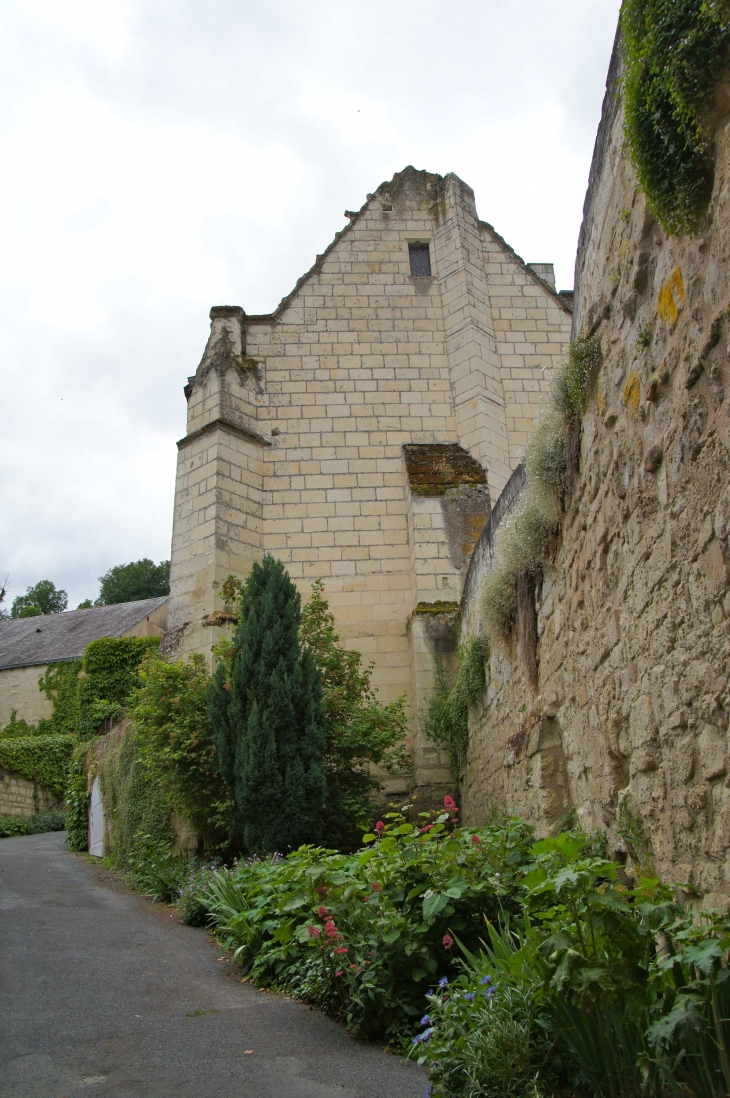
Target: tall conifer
(268, 719)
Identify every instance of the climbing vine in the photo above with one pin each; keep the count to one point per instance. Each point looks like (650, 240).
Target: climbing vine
(674, 53)
(446, 718)
(136, 804)
(42, 759)
(77, 796)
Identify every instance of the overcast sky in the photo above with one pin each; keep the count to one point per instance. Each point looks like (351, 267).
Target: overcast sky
(158, 157)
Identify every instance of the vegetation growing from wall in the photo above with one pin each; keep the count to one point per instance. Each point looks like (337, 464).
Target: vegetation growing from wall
(674, 53)
(175, 740)
(42, 759)
(60, 683)
(137, 805)
(268, 719)
(109, 678)
(446, 717)
(528, 536)
(80, 775)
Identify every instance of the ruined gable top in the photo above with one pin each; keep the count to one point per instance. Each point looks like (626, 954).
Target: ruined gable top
(435, 467)
(409, 180)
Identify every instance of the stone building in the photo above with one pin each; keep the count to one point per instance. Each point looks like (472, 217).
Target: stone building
(359, 432)
(29, 645)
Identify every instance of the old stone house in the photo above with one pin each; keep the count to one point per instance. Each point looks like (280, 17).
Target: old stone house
(29, 645)
(360, 431)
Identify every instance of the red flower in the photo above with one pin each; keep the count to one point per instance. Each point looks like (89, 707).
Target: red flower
(353, 966)
(423, 830)
(322, 911)
(377, 886)
(330, 929)
(313, 931)
(365, 899)
(448, 941)
(380, 826)
(338, 973)
(450, 804)
(476, 840)
(341, 949)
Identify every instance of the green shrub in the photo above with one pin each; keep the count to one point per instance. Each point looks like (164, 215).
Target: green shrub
(152, 868)
(60, 684)
(42, 759)
(175, 739)
(363, 936)
(360, 732)
(52, 819)
(15, 728)
(674, 52)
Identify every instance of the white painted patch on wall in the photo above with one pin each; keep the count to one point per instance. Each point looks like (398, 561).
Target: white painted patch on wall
(96, 821)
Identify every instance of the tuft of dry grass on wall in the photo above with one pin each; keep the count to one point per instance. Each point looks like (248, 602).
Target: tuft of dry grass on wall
(525, 540)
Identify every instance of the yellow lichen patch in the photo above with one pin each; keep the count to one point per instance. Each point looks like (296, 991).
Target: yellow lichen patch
(671, 298)
(632, 393)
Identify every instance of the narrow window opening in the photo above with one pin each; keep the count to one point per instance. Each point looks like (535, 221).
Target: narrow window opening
(420, 260)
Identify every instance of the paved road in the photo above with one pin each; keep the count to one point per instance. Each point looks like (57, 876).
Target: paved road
(102, 992)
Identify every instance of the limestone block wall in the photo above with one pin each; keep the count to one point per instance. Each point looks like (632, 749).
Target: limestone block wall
(19, 691)
(361, 360)
(628, 724)
(19, 797)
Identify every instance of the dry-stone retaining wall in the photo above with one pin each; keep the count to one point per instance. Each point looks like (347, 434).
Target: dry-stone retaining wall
(628, 724)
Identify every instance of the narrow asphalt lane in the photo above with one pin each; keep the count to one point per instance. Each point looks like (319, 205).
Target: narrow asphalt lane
(103, 992)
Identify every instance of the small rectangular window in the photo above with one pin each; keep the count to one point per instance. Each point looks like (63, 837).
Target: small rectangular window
(420, 260)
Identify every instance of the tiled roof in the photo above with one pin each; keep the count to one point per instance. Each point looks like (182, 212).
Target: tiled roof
(52, 638)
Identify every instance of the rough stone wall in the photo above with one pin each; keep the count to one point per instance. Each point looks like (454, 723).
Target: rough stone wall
(628, 723)
(322, 396)
(19, 797)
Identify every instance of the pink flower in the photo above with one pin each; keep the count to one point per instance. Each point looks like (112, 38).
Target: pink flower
(450, 804)
(365, 899)
(476, 840)
(322, 911)
(338, 973)
(313, 931)
(448, 941)
(423, 830)
(377, 886)
(341, 949)
(353, 966)
(380, 826)
(330, 929)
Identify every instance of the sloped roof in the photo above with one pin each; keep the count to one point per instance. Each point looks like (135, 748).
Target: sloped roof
(52, 638)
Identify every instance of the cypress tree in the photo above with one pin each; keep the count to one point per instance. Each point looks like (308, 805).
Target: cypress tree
(268, 719)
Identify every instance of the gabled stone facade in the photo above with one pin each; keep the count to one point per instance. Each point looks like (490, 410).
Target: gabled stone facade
(359, 432)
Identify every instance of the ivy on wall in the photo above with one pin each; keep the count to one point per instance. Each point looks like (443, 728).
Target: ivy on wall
(674, 53)
(79, 778)
(42, 759)
(446, 718)
(137, 807)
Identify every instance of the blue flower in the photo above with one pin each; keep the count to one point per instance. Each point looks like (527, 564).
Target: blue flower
(417, 1039)
(490, 993)
(469, 996)
(426, 1034)
(443, 982)
(425, 1020)
(485, 980)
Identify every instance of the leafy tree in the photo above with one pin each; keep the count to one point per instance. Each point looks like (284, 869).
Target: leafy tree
(141, 579)
(170, 713)
(43, 598)
(268, 719)
(360, 732)
(85, 605)
(4, 615)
